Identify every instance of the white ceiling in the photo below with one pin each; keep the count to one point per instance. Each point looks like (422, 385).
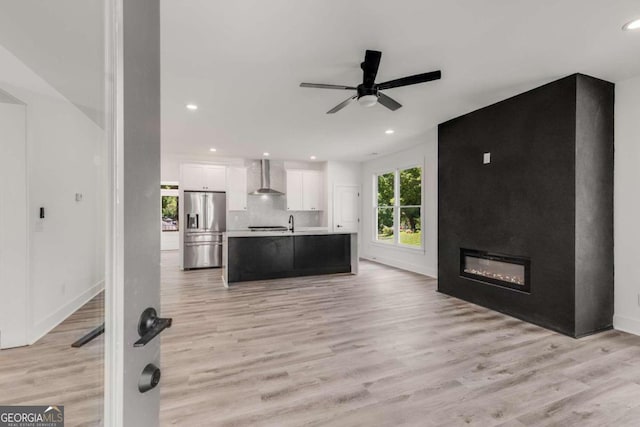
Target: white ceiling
(242, 61)
(62, 41)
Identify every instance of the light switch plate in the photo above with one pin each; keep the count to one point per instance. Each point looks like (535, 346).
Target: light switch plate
(486, 158)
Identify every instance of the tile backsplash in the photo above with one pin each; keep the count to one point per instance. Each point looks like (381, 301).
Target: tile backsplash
(269, 210)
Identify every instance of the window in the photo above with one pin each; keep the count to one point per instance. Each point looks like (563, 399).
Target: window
(386, 207)
(398, 207)
(169, 219)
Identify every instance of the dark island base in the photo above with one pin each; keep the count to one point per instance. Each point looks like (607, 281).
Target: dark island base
(262, 258)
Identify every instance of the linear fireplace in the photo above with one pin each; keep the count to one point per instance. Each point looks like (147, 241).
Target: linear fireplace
(495, 269)
(545, 196)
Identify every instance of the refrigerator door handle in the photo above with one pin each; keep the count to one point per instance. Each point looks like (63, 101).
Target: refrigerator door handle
(205, 209)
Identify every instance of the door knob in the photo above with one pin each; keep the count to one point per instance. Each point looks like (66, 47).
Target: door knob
(339, 226)
(149, 378)
(150, 326)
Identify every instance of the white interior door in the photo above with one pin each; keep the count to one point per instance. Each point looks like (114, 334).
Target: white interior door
(346, 208)
(133, 348)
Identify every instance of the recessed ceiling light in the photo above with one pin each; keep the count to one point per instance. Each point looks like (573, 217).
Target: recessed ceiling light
(389, 131)
(213, 150)
(633, 25)
(265, 154)
(312, 157)
(192, 107)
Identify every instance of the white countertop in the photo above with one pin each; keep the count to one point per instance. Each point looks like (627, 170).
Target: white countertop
(302, 231)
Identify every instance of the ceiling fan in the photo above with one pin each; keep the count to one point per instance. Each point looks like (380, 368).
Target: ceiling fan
(369, 93)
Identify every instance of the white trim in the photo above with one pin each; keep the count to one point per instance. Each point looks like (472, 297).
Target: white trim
(170, 193)
(425, 271)
(397, 207)
(626, 324)
(114, 299)
(46, 325)
(400, 246)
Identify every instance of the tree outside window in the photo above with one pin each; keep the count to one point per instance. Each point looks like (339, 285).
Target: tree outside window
(399, 207)
(386, 207)
(169, 195)
(410, 232)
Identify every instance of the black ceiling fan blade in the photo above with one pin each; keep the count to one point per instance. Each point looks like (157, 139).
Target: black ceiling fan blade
(411, 80)
(326, 86)
(388, 102)
(342, 105)
(370, 67)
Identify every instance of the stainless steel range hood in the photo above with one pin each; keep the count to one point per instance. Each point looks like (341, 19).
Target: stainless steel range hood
(265, 181)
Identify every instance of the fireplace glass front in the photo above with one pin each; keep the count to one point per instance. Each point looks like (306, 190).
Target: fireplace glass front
(502, 270)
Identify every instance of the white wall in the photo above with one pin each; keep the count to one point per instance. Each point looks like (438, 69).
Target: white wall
(627, 206)
(423, 261)
(13, 225)
(65, 153)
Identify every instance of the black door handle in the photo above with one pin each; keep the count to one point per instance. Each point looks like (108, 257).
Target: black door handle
(150, 326)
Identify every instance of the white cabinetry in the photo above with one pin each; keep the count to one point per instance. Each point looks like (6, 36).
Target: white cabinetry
(294, 190)
(237, 189)
(202, 178)
(305, 190)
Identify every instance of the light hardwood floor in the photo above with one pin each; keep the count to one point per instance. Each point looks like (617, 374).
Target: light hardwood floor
(379, 349)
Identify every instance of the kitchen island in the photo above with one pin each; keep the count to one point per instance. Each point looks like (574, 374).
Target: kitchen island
(260, 255)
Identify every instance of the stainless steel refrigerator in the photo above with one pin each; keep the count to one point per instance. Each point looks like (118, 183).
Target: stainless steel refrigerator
(205, 217)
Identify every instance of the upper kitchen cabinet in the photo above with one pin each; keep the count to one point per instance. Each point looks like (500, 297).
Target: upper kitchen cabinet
(305, 190)
(195, 177)
(237, 189)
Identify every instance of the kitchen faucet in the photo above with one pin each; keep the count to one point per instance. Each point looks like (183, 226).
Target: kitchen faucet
(291, 224)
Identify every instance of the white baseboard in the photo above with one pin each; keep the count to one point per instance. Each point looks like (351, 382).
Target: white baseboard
(626, 324)
(426, 271)
(47, 325)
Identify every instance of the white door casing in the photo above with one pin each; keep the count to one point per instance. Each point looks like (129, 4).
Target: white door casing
(13, 227)
(346, 208)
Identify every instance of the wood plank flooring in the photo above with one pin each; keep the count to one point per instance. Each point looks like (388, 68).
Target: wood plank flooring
(379, 349)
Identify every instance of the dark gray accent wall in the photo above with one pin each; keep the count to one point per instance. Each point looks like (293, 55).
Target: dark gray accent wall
(536, 199)
(594, 204)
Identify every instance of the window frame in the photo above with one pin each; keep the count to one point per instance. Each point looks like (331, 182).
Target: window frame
(169, 192)
(397, 207)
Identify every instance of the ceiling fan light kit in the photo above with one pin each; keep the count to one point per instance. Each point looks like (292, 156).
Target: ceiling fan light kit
(368, 93)
(368, 100)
